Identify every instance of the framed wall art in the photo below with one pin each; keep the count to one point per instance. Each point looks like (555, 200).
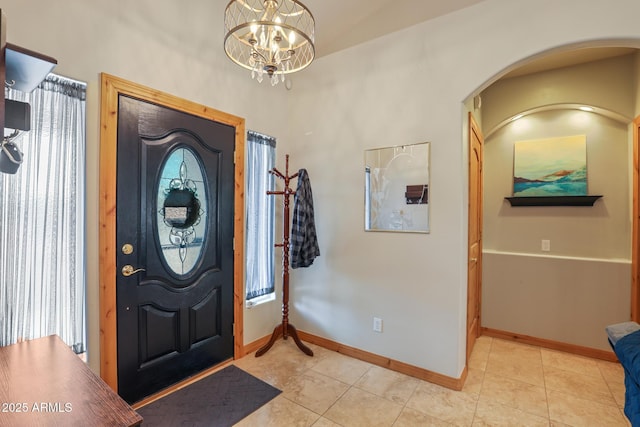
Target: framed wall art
(550, 167)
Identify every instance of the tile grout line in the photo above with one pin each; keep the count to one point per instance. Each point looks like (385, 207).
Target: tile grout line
(484, 374)
(546, 389)
(613, 396)
(404, 405)
(350, 386)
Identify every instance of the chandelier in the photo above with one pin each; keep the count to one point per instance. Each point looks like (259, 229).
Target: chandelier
(269, 37)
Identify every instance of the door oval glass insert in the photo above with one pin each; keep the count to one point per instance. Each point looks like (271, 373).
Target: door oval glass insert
(182, 210)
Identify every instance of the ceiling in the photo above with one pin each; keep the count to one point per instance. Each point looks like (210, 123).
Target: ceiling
(555, 60)
(341, 24)
(344, 23)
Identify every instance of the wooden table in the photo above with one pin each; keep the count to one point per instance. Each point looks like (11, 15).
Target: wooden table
(43, 383)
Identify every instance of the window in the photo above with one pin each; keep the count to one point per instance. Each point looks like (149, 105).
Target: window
(260, 217)
(42, 211)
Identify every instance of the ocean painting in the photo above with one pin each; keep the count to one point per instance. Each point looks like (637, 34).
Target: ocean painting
(550, 167)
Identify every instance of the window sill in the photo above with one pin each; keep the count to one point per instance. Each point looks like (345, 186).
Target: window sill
(260, 300)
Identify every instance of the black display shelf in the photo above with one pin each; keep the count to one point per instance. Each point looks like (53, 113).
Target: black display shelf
(553, 200)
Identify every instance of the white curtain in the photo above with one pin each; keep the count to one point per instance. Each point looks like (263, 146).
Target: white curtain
(42, 220)
(260, 215)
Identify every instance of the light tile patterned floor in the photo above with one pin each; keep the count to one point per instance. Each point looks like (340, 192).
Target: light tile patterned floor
(509, 384)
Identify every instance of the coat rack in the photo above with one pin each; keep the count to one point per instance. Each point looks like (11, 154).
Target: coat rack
(285, 329)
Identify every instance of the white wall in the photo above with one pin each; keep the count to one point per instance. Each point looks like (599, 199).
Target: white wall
(168, 45)
(404, 88)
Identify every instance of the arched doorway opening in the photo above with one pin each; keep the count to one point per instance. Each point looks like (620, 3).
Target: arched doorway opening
(563, 297)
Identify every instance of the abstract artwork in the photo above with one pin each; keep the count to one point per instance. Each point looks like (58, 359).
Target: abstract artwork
(550, 167)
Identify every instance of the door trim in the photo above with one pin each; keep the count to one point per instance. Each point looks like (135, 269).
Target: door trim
(635, 238)
(111, 88)
(474, 129)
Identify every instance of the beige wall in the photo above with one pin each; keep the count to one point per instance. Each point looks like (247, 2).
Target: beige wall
(608, 84)
(602, 231)
(547, 294)
(564, 299)
(404, 88)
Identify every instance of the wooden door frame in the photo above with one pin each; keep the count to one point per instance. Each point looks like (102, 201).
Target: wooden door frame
(635, 238)
(474, 128)
(111, 88)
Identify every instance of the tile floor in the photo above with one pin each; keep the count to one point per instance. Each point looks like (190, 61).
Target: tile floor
(509, 384)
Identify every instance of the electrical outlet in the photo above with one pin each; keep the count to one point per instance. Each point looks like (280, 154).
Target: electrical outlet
(546, 245)
(377, 324)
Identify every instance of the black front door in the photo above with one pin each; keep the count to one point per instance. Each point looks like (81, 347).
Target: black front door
(174, 231)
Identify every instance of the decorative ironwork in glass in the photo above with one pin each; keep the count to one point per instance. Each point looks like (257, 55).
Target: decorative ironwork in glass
(181, 214)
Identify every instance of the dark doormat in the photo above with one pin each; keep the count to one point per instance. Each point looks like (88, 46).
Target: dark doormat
(219, 400)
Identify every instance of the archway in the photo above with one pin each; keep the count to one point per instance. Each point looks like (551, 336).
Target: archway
(610, 262)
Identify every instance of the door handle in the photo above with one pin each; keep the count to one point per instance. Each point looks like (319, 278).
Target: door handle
(129, 270)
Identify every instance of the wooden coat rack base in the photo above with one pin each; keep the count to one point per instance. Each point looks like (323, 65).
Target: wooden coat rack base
(277, 332)
(285, 329)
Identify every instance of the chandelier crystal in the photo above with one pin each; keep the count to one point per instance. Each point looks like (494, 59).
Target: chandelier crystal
(270, 38)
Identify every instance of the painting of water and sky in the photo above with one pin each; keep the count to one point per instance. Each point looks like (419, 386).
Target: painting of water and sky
(550, 167)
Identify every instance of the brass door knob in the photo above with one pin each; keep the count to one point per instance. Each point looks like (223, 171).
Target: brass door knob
(129, 270)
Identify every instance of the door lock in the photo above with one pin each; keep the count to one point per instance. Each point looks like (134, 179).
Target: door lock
(127, 249)
(129, 270)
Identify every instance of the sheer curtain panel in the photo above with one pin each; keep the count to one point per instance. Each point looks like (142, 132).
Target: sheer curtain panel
(260, 216)
(42, 220)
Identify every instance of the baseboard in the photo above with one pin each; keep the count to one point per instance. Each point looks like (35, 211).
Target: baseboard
(550, 344)
(255, 345)
(374, 359)
(385, 362)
